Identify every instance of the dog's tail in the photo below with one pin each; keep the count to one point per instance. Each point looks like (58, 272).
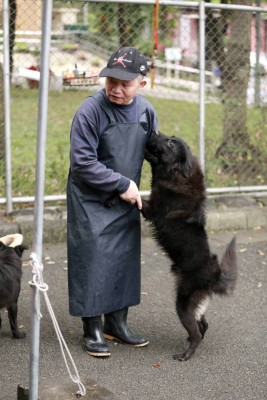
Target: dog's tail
(228, 271)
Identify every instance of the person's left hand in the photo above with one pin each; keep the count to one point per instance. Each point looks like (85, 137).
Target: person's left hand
(132, 195)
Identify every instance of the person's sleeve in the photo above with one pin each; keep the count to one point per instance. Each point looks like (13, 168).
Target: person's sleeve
(123, 185)
(84, 160)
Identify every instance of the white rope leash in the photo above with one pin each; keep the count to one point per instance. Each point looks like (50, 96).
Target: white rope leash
(38, 282)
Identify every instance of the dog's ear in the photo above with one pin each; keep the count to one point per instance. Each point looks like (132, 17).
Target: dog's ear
(20, 249)
(2, 246)
(184, 161)
(184, 167)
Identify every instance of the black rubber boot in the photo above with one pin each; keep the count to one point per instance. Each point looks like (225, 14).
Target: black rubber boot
(116, 328)
(93, 338)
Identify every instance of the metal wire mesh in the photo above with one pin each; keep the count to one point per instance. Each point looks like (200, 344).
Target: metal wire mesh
(238, 157)
(84, 34)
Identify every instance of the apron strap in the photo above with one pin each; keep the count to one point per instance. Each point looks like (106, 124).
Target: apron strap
(144, 116)
(104, 105)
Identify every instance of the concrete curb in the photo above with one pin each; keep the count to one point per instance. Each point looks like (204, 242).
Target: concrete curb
(236, 212)
(232, 212)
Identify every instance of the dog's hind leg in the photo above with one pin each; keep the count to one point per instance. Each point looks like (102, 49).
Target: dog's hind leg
(195, 336)
(12, 315)
(203, 326)
(193, 321)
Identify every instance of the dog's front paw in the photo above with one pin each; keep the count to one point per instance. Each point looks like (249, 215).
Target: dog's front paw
(19, 335)
(146, 211)
(112, 201)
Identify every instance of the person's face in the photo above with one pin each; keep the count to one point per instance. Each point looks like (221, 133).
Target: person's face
(122, 92)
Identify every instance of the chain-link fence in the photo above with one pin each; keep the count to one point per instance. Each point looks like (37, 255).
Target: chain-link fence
(85, 33)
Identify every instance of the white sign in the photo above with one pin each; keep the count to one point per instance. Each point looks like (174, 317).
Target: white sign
(173, 54)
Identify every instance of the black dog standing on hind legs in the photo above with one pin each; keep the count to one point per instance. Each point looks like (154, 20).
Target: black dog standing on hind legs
(176, 210)
(11, 250)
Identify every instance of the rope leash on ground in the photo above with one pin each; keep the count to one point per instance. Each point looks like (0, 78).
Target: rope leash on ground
(38, 282)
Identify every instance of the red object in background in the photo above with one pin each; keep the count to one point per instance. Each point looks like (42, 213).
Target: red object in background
(32, 83)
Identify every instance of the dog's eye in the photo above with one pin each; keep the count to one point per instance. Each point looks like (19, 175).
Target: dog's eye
(170, 143)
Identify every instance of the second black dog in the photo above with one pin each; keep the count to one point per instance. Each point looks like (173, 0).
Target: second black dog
(176, 209)
(10, 281)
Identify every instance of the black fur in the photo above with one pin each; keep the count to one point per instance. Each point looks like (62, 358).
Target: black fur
(176, 210)
(10, 280)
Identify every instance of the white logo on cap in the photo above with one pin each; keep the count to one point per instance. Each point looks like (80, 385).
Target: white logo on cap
(121, 60)
(142, 68)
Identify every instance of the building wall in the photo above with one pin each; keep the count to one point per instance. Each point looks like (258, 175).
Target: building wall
(29, 15)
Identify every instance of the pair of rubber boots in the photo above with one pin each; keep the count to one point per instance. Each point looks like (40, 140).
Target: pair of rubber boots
(115, 328)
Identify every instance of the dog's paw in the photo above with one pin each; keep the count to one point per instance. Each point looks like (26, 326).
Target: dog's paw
(182, 357)
(112, 201)
(19, 335)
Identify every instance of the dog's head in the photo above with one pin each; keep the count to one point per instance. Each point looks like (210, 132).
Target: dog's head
(17, 249)
(172, 153)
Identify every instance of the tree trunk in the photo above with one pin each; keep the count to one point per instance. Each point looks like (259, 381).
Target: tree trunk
(235, 150)
(122, 26)
(235, 76)
(2, 119)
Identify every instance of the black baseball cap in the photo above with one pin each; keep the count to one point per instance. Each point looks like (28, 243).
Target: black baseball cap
(125, 64)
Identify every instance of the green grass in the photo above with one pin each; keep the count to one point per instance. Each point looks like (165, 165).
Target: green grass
(175, 118)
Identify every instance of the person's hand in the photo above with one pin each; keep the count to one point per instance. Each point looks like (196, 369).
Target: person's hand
(132, 195)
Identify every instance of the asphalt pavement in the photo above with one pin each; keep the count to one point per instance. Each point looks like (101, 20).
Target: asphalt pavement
(230, 363)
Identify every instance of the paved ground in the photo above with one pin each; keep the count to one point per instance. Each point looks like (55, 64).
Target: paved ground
(230, 364)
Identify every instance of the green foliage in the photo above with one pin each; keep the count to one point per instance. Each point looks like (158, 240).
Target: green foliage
(175, 118)
(116, 24)
(24, 48)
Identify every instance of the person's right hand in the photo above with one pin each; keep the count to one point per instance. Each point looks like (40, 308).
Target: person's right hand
(132, 195)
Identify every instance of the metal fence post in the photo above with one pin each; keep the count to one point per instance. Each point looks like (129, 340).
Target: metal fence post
(39, 189)
(257, 66)
(202, 84)
(6, 72)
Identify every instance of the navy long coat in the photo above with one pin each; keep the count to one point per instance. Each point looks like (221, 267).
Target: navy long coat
(104, 242)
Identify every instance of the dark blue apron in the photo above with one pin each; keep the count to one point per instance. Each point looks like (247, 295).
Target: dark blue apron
(104, 243)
